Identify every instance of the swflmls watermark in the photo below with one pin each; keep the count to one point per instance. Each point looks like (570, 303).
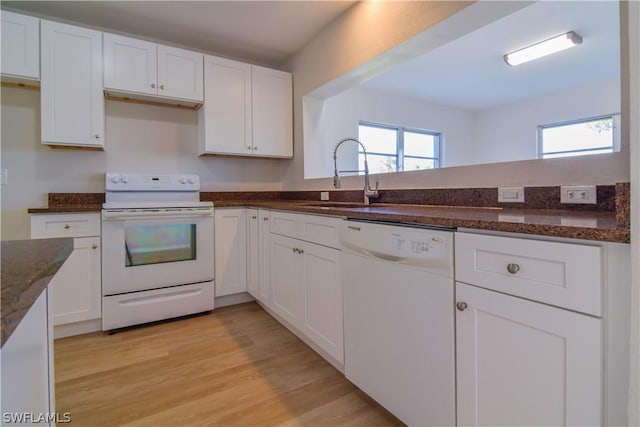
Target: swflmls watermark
(36, 417)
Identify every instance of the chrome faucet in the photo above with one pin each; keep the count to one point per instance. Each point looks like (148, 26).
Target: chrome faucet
(368, 191)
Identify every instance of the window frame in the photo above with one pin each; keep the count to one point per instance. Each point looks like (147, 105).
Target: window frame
(615, 136)
(399, 152)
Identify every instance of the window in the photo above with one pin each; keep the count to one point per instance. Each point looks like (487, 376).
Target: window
(396, 149)
(579, 137)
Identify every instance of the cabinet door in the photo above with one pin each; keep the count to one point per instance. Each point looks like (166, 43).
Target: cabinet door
(76, 287)
(253, 253)
(130, 64)
(265, 257)
(72, 103)
(286, 278)
(180, 73)
(230, 251)
(25, 365)
(322, 299)
(20, 46)
(526, 363)
(225, 118)
(272, 112)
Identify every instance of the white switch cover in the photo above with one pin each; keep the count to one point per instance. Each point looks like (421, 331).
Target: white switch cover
(511, 195)
(582, 194)
(324, 195)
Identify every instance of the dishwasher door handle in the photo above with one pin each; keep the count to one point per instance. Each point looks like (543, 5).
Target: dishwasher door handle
(379, 255)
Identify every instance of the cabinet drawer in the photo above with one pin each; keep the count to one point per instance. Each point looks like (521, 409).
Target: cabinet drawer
(311, 228)
(561, 274)
(45, 226)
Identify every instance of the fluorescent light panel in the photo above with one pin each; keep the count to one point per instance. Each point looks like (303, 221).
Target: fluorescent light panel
(544, 48)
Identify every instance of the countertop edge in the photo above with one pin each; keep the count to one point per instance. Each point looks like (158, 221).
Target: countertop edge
(27, 268)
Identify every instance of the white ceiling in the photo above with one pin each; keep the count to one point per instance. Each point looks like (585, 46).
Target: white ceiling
(264, 32)
(470, 72)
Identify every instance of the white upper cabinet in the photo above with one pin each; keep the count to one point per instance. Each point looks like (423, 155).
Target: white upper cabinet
(138, 67)
(247, 110)
(225, 117)
(272, 112)
(72, 103)
(20, 46)
(130, 64)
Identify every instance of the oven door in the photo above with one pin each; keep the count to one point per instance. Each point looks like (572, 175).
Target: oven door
(155, 248)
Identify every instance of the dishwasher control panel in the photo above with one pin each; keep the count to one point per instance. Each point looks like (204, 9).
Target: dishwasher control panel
(415, 246)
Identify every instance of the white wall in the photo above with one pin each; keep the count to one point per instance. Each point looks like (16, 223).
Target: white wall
(140, 138)
(338, 116)
(634, 92)
(508, 132)
(319, 63)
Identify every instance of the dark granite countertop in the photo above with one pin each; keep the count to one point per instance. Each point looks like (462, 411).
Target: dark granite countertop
(27, 268)
(476, 208)
(602, 226)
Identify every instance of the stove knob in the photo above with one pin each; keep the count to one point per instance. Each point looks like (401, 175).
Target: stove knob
(183, 180)
(190, 180)
(115, 179)
(124, 179)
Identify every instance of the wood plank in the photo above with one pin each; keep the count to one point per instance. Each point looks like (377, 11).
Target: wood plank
(235, 366)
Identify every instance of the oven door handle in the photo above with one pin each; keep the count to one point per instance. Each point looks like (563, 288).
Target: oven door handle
(159, 214)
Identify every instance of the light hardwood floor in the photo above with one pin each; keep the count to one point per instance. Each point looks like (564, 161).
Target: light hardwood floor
(234, 367)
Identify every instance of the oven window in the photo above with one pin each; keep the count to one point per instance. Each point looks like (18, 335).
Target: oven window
(155, 244)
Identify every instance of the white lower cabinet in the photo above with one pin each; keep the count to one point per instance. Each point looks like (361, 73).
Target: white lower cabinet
(525, 363)
(258, 238)
(27, 368)
(230, 251)
(76, 288)
(306, 291)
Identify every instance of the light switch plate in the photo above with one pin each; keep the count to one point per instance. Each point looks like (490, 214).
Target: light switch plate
(324, 195)
(4, 176)
(511, 195)
(578, 194)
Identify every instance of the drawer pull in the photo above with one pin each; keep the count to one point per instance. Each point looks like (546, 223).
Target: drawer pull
(254, 217)
(94, 246)
(461, 306)
(266, 218)
(513, 268)
(67, 226)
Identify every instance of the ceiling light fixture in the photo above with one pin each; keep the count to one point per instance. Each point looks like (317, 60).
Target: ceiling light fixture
(547, 47)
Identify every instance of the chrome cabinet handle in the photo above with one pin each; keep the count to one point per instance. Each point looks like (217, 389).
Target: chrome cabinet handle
(94, 246)
(254, 217)
(162, 87)
(461, 306)
(248, 147)
(513, 268)
(97, 136)
(255, 148)
(67, 226)
(153, 85)
(266, 218)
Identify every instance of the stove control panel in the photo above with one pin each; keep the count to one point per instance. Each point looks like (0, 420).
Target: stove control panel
(118, 181)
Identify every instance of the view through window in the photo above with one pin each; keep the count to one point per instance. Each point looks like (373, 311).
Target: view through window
(396, 149)
(577, 138)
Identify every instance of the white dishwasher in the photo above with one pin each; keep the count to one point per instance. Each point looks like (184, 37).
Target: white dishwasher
(399, 319)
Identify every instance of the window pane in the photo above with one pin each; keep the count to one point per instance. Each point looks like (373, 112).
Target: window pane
(378, 140)
(578, 136)
(412, 164)
(577, 153)
(378, 164)
(154, 244)
(419, 144)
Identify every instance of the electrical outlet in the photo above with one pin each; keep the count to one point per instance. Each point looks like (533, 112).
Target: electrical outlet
(511, 195)
(578, 194)
(324, 195)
